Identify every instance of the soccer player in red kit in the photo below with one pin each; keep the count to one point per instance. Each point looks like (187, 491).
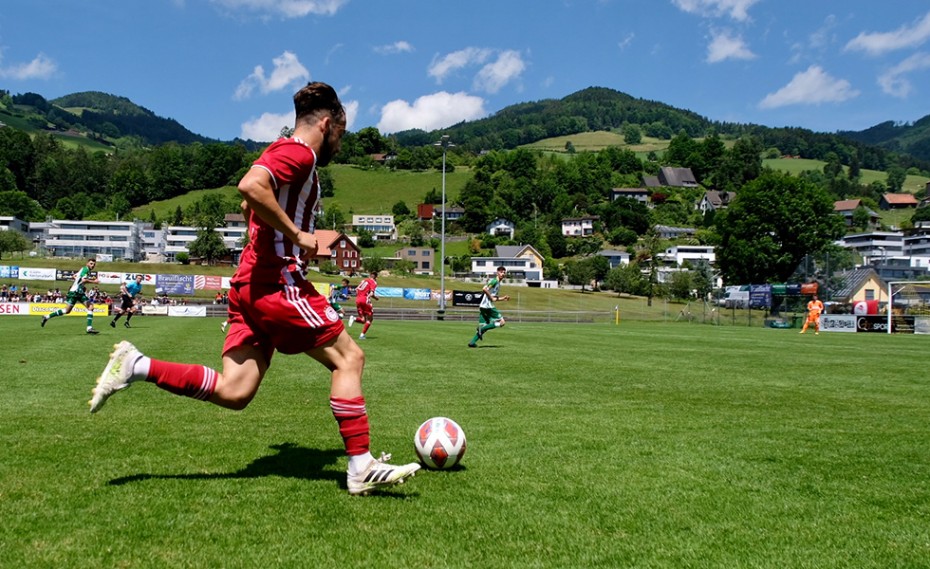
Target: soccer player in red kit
(271, 305)
(364, 294)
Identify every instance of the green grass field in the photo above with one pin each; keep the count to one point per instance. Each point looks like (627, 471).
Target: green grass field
(644, 444)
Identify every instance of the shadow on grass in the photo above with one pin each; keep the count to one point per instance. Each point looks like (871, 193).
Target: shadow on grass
(290, 461)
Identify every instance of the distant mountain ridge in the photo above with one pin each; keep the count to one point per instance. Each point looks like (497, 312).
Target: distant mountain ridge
(913, 139)
(107, 116)
(101, 112)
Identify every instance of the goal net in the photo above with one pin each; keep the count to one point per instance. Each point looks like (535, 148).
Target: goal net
(910, 307)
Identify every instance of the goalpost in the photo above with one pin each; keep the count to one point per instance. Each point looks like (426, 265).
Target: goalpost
(914, 300)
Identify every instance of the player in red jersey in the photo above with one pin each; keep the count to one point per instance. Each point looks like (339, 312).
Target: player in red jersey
(364, 294)
(271, 305)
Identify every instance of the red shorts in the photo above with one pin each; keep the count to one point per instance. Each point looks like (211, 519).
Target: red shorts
(290, 319)
(364, 312)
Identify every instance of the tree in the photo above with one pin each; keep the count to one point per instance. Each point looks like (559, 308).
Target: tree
(374, 264)
(400, 210)
(625, 279)
(776, 220)
(647, 253)
(208, 245)
(18, 204)
(366, 238)
(12, 240)
(632, 134)
(896, 177)
(579, 272)
(332, 218)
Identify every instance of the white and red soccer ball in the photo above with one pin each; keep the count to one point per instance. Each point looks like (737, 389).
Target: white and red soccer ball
(440, 443)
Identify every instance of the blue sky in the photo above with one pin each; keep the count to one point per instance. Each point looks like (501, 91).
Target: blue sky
(227, 68)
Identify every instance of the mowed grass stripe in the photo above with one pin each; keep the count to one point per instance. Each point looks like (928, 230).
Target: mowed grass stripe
(644, 444)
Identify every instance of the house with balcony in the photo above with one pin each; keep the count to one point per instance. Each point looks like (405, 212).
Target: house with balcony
(523, 262)
(579, 226)
(501, 227)
(87, 239)
(380, 226)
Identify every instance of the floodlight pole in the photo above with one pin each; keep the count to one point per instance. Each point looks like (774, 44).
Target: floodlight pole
(445, 144)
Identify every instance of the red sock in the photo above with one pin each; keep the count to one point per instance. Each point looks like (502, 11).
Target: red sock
(353, 423)
(365, 328)
(189, 380)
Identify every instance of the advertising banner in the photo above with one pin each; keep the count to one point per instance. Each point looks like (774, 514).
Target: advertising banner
(863, 307)
(208, 282)
(838, 322)
(8, 272)
(158, 309)
(809, 288)
(760, 296)
(878, 323)
(33, 274)
(46, 308)
(466, 298)
(390, 292)
(416, 294)
(188, 311)
(14, 309)
(174, 284)
(434, 295)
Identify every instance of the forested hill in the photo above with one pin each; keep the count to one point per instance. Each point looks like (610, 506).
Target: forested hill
(913, 139)
(591, 109)
(115, 117)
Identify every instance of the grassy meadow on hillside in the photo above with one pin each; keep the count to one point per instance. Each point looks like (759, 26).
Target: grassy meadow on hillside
(639, 445)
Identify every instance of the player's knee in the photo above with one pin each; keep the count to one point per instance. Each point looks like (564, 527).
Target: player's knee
(501, 322)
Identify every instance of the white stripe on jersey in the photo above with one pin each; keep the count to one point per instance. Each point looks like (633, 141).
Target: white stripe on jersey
(303, 307)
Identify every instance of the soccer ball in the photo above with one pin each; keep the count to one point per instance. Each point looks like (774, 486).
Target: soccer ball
(440, 443)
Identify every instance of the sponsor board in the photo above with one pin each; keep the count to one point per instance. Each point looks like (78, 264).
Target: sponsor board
(880, 324)
(46, 308)
(208, 282)
(838, 322)
(187, 311)
(34, 274)
(160, 309)
(14, 309)
(467, 297)
(389, 292)
(174, 284)
(8, 272)
(417, 294)
(120, 278)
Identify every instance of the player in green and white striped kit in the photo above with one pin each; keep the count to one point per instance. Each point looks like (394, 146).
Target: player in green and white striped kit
(77, 294)
(488, 316)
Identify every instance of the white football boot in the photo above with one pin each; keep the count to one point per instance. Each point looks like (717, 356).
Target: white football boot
(379, 474)
(116, 376)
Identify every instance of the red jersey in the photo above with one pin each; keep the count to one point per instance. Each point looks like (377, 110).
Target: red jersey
(365, 289)
(270, 257)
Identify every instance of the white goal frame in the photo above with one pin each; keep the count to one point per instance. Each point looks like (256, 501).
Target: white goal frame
(891, 294)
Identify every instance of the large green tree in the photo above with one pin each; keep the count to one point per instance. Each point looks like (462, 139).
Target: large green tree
(775, 221)
(208, 245)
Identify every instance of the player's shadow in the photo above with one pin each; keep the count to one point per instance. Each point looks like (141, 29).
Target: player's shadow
(289, 461)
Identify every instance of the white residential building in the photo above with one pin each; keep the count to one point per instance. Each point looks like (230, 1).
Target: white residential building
(875, 245)
(578, 226)
(679, 254)
(381, 226)
(87, 239)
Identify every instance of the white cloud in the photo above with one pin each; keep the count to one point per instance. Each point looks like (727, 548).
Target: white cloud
(287, 72)
(877, 43)
(39, 68)
(495, 75)
(441, 67)
(810, 87)
(285, 8)
(396, 47)
(431, 112)
(893, 81)
(626, 41)
(267, 127)
(735, 9)
(724, 46)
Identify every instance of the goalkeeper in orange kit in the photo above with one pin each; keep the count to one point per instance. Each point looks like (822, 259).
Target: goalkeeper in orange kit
(814, 308)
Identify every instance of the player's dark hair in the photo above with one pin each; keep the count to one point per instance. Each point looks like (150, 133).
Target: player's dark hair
(502, 268)
(318, 97)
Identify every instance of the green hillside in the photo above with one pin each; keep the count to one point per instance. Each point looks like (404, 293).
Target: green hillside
(357, 191)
